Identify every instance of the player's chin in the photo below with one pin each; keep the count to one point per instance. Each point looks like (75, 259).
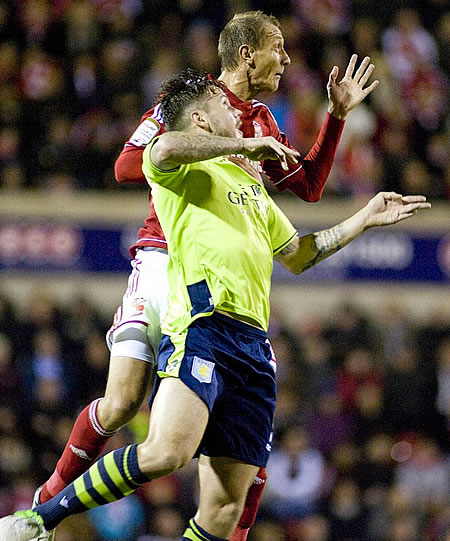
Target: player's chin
(273, 84)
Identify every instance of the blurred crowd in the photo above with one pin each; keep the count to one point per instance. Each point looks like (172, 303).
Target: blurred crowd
(75, 77)
(361, 443)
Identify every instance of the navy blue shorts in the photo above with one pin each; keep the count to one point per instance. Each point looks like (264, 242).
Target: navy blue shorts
(231, 367)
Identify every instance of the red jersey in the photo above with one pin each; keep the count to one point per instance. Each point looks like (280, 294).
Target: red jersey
(306, 179)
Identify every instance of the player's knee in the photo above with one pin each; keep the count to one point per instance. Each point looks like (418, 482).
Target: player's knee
(118, 410)
(161, 460)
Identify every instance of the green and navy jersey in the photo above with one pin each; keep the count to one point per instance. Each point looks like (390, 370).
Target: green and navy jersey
(223, 230)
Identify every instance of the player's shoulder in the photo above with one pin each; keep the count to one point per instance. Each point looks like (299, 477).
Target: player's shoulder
(150, 126)
(154, 113)
(263, 110)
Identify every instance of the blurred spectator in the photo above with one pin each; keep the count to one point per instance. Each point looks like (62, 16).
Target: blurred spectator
(330, 425)
(425, 475)
(407, 44)
(11, 382)
(443, 381)
(357, 374)
(409, 395)
(346, 331)
(167, 524)
(295, 477)
(395, 331)
(346, 510)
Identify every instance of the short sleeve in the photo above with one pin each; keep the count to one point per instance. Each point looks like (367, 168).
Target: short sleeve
(168, 178)
(281, 230)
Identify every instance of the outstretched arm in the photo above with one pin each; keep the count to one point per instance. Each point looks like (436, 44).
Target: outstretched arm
(176, 148)
(386, 208)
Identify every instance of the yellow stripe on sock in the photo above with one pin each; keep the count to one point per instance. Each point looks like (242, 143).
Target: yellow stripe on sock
(125, 462)
(99, 484)
(189, 534)
(82, 494)
(115, 475)
(199, 535)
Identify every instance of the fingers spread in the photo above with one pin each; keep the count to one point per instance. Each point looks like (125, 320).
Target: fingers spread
(361, 68)
(369, 89)
(351, 66)
(366, 75)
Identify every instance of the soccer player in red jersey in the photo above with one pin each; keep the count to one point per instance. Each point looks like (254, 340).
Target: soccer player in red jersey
(251, 49)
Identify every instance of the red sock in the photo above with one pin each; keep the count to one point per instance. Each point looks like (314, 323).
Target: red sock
(251, 507)
(85, 444)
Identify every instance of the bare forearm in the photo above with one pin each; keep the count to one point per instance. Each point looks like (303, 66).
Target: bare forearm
(182, 148)
(309, 250)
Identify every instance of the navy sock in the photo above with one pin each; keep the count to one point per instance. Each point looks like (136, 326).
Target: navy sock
(195, 533)
(111, 478)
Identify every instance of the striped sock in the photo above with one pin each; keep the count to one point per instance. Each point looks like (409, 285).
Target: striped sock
(111, 478)
(195, 533)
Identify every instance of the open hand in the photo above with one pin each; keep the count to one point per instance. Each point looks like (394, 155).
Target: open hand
(388, 208)
(349, 92)
(268, 148)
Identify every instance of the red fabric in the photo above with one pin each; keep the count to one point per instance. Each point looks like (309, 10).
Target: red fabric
(128, 166)
(240, 534)
(70, 466)
(251, 507)
(309, 182)
(305, 179)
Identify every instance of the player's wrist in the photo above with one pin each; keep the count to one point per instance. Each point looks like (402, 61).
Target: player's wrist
(364, 218)
(337, 111)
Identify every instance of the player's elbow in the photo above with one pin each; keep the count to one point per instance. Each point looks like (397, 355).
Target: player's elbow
(296, 268)
(291, 264)
(163, 150)
(121, 172)
(313, 198)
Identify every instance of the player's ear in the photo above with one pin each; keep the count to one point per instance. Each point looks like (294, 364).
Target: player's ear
(246, 54)
(200, 119)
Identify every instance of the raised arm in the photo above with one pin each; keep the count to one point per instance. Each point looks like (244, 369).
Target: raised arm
(176, 148)
(307, 180)
(386, 208)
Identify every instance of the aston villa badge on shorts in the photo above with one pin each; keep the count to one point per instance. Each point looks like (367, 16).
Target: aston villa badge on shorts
(202, 370)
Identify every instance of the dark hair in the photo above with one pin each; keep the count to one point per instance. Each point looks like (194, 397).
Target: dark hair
(179, 91)
(246, 28)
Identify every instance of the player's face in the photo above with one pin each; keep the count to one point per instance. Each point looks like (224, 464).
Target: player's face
(269, 62)
(224, 119)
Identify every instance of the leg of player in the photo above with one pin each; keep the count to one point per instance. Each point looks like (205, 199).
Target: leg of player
(127, 385)
(251, 507)
(224, 483)
(177, 424)
(132, 339)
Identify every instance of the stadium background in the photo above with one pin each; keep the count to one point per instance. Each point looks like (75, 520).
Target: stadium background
(363, 341)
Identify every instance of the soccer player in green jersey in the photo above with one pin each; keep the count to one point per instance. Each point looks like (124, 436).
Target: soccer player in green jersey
(215, 391)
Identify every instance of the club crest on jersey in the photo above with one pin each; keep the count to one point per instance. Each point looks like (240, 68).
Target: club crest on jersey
(202, 370)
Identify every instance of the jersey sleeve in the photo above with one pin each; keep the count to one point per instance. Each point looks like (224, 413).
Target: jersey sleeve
(128, 166)
(280, 228)
(169, 178)
(307, 178)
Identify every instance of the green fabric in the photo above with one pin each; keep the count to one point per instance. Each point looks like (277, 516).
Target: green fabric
(221, 226)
